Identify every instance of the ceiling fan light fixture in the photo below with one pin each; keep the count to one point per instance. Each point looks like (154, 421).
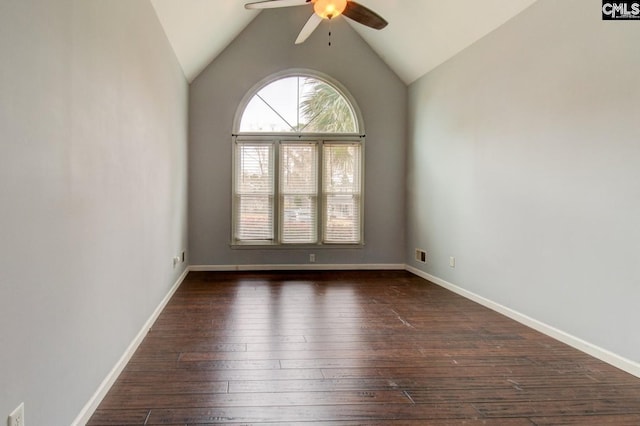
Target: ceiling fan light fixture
(329, 9)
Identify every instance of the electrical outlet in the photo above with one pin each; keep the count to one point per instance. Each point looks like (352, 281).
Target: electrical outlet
(312, 258)
(452, 262)
(176, 260)
(17, 417)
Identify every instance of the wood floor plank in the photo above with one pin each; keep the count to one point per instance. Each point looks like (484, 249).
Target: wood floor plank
(596, 420)
(390, 422)
(446, 361)
(558, 407)
(131, 375)
(380, 354)
(119, 417)
(362, 413)
(240, 386)
(519, 395)
(354, 348)
(265, 399)
(166, 387)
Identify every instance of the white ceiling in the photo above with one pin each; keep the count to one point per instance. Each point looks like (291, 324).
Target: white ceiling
(421, 34)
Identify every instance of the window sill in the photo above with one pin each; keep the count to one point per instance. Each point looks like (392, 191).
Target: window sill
(266, 246)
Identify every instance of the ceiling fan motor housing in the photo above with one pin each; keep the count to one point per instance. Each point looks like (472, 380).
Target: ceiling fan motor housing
(329, 9)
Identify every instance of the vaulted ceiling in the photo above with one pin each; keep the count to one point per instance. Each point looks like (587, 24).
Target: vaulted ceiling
(421, 34)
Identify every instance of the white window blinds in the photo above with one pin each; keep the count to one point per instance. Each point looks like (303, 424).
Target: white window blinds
(254, 192)
(342, 193)
(298, 192)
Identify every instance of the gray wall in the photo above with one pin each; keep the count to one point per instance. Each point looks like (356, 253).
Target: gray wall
(93, 128)
(264, 48)
(524, 164)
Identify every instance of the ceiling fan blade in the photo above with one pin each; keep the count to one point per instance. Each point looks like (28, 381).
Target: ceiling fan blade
(271, 4)
(364, 15)
(308, 28)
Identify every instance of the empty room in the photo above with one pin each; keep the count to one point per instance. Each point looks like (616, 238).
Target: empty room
(321, 212)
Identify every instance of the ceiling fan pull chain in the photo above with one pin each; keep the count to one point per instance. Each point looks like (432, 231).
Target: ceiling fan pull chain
(330, 28)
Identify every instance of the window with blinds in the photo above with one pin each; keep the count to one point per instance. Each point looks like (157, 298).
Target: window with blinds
(342, 193)
(298, 165)
(299, 192)
(254, 192)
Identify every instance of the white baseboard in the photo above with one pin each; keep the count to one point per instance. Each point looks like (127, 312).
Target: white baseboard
(301, 267)
(89, 408)
(609, 357)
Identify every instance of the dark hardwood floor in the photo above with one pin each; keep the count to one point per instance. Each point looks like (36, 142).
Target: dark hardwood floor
(354, 348)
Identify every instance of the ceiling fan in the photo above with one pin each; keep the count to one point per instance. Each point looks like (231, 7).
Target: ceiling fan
(325, 9)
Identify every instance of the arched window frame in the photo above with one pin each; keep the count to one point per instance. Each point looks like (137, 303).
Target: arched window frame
(324, 142)
(298, 72)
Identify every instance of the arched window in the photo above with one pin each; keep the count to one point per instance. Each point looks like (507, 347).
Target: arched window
(298, 164)
(299, 104)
